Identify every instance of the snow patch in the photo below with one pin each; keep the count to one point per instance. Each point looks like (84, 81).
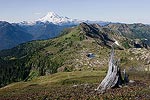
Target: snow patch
(116, 42)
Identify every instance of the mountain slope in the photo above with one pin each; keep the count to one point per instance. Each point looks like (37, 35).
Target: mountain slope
(11, 36)
(139, 33)
(68, 53)
(42, 30)
(14, 34)
(49, 26)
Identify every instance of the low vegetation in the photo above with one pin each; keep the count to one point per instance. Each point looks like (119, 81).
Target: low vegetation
(77, 85)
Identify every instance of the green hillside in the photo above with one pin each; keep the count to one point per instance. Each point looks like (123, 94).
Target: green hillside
(69, 53)
(76, 85)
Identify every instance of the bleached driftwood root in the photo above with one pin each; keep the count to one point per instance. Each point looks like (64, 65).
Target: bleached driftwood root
(113, 77)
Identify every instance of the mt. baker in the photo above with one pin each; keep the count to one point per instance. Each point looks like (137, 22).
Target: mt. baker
(54, 18)
(59, 20)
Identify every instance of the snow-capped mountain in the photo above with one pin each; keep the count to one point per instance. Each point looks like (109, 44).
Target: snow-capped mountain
(59, 20)
(56, 19)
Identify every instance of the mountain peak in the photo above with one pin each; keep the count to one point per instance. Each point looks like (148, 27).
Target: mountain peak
(52, 15)
(55, 18)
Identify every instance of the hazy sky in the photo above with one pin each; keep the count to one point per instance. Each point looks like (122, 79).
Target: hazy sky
(129, 11)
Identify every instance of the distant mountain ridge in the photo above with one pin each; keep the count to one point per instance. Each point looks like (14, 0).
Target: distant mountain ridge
(11, 35)
(52, 17)
(46, 30)
(52, 25)
(49, 26)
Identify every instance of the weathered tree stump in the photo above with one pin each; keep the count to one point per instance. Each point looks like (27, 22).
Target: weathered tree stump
(113, 77)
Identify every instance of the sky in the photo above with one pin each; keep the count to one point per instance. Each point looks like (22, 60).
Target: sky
(126, 11)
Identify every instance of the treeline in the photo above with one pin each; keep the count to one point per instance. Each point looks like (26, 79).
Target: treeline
(12, 71)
